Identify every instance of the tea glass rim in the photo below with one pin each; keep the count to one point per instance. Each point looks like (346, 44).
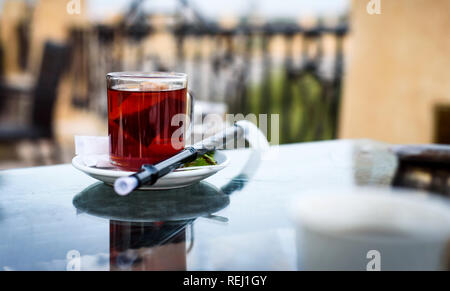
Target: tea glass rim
(147, 75)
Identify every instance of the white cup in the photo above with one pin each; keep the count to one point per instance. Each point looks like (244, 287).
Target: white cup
(371, 229)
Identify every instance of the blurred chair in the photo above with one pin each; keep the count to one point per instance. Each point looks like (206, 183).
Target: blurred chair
(43, 97)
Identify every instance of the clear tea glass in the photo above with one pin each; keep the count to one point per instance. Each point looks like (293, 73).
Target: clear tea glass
(148, 114)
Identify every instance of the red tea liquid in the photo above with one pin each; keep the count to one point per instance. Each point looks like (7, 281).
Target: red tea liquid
(139, 125)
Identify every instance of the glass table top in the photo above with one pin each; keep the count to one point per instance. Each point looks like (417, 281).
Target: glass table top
(57, 218)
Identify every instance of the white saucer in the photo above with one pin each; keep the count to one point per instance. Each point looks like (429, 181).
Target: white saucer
(177, 179)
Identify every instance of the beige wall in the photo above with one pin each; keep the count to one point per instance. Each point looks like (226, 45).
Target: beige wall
(399, 69)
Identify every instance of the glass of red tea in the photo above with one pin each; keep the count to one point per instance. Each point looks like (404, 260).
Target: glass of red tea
(148, 114)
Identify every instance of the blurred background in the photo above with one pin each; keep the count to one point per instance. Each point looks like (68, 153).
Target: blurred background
(330, 68)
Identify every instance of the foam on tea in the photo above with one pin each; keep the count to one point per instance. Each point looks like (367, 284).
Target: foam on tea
(139, 123)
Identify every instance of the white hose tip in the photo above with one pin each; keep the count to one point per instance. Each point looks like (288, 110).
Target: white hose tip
(125, 185)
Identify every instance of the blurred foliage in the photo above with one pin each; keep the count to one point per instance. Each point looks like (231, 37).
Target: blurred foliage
(304, 114)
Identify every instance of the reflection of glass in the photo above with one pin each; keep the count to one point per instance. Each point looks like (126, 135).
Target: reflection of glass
(148, 246)
(148, 229)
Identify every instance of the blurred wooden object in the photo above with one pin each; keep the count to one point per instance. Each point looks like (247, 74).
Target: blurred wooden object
(424, 167)
(398, 71)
